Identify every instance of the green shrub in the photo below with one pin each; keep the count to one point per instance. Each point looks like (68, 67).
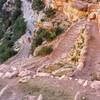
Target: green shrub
(5, 15)
(5, 52)
(51, 36)
(19, 28)
(1, 33)
(50, 12)
(14, 15)
(40, 37)
(36, 42)
(38, 5)
(58, 30)
(45, 50)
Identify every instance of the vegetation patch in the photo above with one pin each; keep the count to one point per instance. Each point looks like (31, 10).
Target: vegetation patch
(74, 55)
(63, 71)
(45, 50)
(45, 35)
(38, 5)
(48, 92)
(12, 27)
(51, 68)
(75, 14)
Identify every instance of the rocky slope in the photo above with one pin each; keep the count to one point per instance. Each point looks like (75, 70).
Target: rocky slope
(71, 71)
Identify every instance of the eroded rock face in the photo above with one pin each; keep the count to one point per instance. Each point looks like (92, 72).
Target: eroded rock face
(91, 1)
(80, 5)
(92, 16)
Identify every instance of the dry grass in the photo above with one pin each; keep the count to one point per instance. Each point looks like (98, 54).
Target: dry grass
(51, 68)
(65, 71)
(75, 14)
(74, 54)
(48, 92)
(95, 76)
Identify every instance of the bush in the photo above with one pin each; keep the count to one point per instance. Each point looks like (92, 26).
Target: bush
(57, 30)
(1, 33)
(45, 51)
(14, 15)
(51, 36)
(38, 5)
(40, 37)
(36, 42)
(19, 28)
(50, 12)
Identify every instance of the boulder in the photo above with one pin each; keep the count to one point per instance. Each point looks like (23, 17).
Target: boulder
(30, 97)
(24, 72)
(41, 74)
(80, 81)
(85, 83)
(1, 74)
(40, 97)
(95, 85)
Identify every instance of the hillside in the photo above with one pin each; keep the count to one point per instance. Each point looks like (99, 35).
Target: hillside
(49, 50)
